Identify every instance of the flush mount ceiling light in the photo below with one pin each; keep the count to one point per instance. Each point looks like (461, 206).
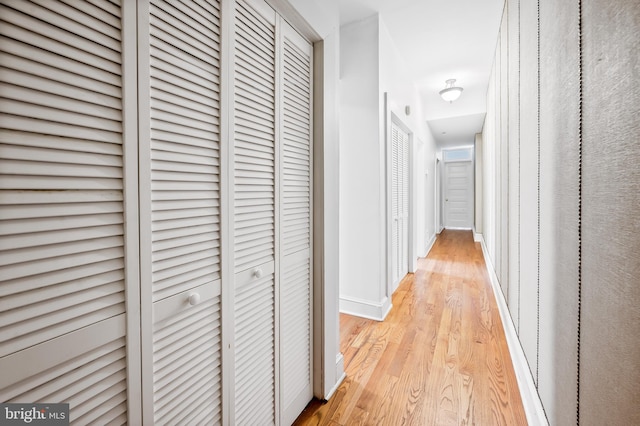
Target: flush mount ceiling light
(450, 93)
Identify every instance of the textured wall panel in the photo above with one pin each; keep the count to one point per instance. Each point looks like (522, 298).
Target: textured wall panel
(488, 169)
(489, 165)
(513, 16)
(497, 137)
(503, 207)
(528, 325)
(610, 344)
(559, 208)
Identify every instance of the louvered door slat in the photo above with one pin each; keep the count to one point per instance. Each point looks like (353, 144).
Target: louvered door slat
(97, 11)
(45, 386)
(173, 25)
(72, 20)
(184, 46)
(61, 92)
(255, 352)
(33, 62)
(187, 360)
(48, 37)
(187, 81)
(111, 6)
(95, 379)
(295, 224)
(61, 215)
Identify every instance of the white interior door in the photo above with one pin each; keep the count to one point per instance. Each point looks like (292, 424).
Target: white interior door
(254, 216)
(295, 223)
(399, 203)
(63, 232)
(112, 190)
(458, 194)
(180, 202)
(272, 217)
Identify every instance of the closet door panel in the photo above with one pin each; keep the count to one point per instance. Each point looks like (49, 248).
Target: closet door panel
(404, 207)
(187, 360)
(183, 200)
(85, 368)
(396, 200)
(295, 223)
(62, 191)
(254, 189)
(185, 146)
(399, 203)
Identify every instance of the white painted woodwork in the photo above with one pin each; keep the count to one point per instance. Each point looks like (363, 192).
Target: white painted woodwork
(180, 201)
(458, 196)
(295, 313)
(254, 217)
(399, 203)
(109, 242)
(62, 227)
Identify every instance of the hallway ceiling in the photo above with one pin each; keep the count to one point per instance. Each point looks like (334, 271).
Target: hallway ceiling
(440, 40)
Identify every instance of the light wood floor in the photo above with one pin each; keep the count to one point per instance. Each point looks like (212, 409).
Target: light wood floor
(440, 357)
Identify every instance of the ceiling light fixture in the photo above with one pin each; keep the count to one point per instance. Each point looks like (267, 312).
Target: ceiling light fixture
(450, 93)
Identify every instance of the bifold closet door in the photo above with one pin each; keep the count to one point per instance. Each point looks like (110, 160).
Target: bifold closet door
(63, 326)
(399, 203)
(295, 229)
(272, 217)
(180, 211)
(404, 206)
(254, 161)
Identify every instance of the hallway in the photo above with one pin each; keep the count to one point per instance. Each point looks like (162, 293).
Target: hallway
(440, 357)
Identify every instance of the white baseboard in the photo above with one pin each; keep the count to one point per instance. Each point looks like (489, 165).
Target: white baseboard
(477, 237)
(365, 308)
(457, 228)
(340, 374)
(529, 393)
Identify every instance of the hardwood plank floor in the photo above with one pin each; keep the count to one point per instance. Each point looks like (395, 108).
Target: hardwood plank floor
(440, 357)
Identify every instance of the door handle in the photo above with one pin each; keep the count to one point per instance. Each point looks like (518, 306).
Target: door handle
(194, 299)
(257, 273)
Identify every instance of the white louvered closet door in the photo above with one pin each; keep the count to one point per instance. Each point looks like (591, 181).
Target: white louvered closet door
(295, 228)
(396, 201)
(62, 217)
(254, 162)
(183, 381)
(404, 207)
(399, 203)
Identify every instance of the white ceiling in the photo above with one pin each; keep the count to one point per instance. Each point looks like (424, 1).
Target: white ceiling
(441, 39)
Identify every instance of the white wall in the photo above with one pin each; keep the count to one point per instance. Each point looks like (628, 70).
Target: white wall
(402, 92)
(370, 67)
(362, 289)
